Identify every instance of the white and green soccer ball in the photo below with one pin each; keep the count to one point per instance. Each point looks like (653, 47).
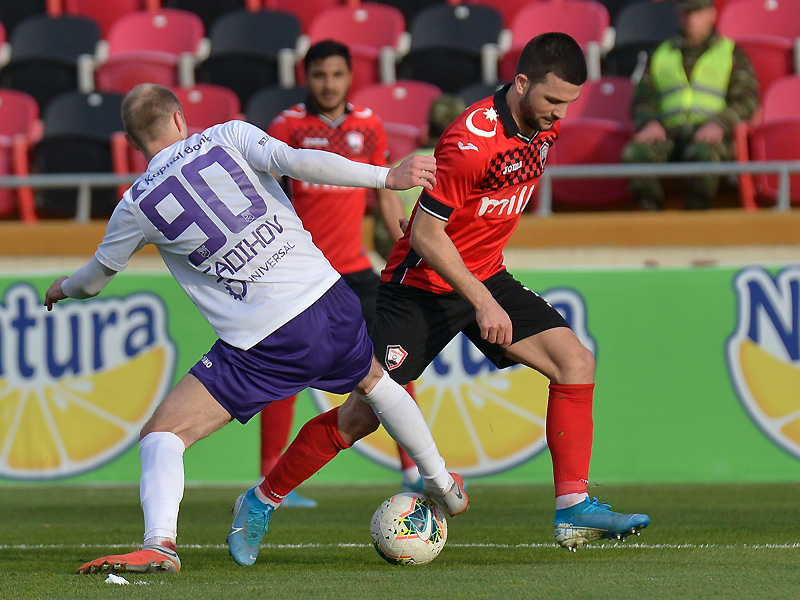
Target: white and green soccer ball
(408, 529)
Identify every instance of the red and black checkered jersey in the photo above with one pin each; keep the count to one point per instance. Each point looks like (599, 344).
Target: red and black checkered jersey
(486, 172)
(334, 214)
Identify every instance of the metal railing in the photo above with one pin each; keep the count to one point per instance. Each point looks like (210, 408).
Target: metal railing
(782, 168)
(84, 182)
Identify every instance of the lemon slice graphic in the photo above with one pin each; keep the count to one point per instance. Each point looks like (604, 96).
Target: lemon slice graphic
(481, 424)
(73, 424)
(774, 387)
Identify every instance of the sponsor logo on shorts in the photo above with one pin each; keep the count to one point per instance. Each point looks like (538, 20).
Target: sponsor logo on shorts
(395, 355)
(207, 363)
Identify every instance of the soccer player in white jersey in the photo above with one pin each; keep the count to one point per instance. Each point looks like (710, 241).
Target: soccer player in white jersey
(284, 318)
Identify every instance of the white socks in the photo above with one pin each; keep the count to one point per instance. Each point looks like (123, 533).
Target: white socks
(161, 486)
(402, 419)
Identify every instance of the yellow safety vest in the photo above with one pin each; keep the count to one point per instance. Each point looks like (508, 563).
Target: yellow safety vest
(692, 101)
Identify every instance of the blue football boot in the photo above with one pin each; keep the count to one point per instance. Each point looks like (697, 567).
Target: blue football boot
(250, 523)
(591, 520)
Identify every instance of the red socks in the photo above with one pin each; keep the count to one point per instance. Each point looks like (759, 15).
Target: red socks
(276, 425)
(317, 443)
(569, 435)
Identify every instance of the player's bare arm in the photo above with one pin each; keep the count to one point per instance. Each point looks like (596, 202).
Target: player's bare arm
(55, 293)
(86, 282)
(413, 171)
(431, 242)
(390, 208)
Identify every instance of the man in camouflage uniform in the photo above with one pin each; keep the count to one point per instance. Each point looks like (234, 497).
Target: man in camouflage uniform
(690, 116)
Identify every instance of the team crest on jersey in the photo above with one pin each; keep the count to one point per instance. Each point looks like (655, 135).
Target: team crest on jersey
(395, 355)
(482, 122)
(355, 141)
(543, 153)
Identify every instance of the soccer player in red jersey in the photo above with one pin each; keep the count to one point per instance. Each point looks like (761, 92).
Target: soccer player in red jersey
(446, 273)
(334, 214)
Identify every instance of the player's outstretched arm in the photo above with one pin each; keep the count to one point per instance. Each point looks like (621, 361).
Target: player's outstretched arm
(414, 171)
(86, 282)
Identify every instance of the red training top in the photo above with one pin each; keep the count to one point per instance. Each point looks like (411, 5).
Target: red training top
(334, 214)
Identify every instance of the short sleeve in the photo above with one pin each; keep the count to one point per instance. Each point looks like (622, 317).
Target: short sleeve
(459, 169)
(123, 238)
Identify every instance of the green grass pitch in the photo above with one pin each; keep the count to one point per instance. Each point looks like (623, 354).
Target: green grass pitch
(715, 541)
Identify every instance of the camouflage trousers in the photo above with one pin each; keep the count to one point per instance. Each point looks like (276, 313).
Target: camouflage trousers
(678, 147)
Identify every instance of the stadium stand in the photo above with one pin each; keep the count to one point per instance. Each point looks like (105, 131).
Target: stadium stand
(453, 46)
(45, 52)
(304, 10)
(250, 51)
(20, 126)
(210, 10)
(373, 32)
(102, 12)
(639, 28)
(13, 12)
(77, 139)
(404, 108)
(268, 103)
(149, 46)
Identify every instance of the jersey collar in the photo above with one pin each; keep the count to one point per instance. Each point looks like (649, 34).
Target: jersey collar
(311, 109)
(509, 124)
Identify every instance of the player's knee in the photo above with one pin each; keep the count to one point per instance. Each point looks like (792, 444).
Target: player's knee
(577, 366)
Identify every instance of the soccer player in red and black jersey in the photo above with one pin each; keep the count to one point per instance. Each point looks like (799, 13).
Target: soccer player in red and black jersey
(447, 275)
(334, 214)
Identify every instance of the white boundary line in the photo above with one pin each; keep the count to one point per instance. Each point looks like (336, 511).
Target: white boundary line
(623, 546)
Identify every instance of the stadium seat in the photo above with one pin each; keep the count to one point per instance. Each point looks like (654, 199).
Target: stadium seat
(148, 46)
(411, 8)
(507, 8)
(102, 12)
(776, 137)
(45, 55)
(268, 103)
(585, 20)
(210, 10)
(13, 12)
(586, 141)
(404, 108)
(369, 30)
(639, 28)
(768, 30)
(453, 46)
(304, 10)
(477, 91)
(251, 51)
(608, 98)
(19, 128)
(77, 139)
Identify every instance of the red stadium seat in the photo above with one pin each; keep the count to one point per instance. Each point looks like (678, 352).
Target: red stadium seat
(367, 29)
(775, 137)
(102, 12)
(404, 108)
(147, 46)
(304, 10)
(19, 128)
(608, 98)
(585, 20)
(586, 141)
(767, 30)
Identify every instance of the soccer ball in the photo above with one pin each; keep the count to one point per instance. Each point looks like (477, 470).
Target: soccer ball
(408, 529)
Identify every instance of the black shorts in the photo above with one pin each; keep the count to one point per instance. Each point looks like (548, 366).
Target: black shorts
(414, 325)
(365, 285)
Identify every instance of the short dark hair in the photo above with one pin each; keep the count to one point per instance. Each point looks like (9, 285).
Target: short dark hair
(555, 53)
(146, 109)
(326, 49)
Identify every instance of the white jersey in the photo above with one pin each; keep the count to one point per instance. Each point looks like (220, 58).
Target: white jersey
(226, 231)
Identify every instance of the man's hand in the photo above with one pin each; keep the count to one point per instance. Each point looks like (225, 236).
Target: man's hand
(653, 131)
(495, 324)
(709, 133)
(54, 294)
(414, 171)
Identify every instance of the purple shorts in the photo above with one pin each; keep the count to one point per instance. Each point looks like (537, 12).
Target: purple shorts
(324, 347)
